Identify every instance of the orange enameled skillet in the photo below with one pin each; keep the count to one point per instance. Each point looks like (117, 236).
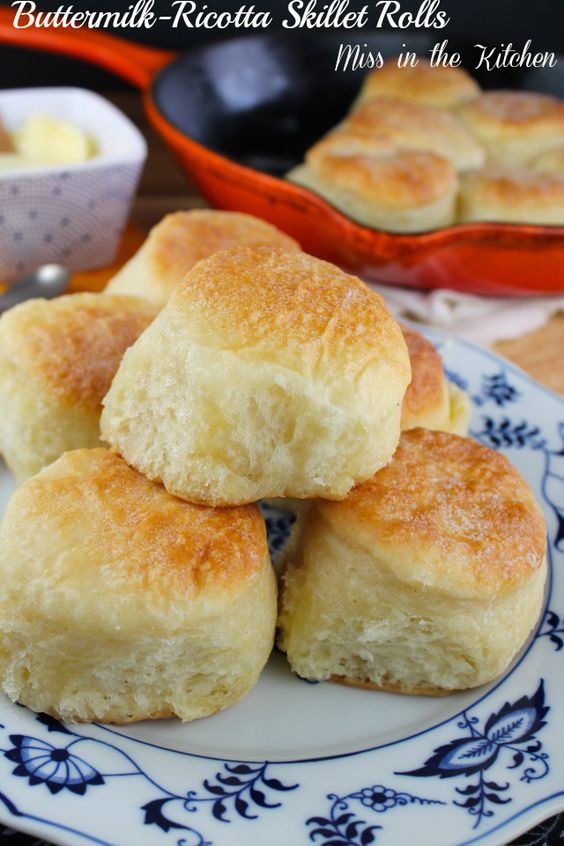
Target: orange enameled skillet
(239, 113)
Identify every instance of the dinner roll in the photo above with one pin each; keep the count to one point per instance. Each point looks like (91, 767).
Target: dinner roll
(514, 126)
(122, 603)
(426, 579)
(440, 87)
(180, 240)
(431, 400)
(57, 361)
(379, 186)
(267, 374)
(552, 161)
(512, 195)
(410, 126)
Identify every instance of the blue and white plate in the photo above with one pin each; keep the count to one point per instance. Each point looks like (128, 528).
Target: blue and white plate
(297, 763)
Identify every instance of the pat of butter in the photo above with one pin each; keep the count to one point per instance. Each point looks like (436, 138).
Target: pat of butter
(44, 140)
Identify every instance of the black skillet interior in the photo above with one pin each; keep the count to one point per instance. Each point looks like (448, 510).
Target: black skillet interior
(263, 100)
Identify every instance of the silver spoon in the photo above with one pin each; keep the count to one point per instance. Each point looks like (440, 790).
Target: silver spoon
(48, 281)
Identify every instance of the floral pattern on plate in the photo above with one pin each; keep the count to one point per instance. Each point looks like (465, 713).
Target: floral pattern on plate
(483, 767)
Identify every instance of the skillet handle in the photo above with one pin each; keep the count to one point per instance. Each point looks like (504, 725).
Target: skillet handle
(132, 62)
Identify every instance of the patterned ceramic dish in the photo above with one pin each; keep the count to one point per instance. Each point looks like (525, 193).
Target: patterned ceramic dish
(298, 763)
(73, 214)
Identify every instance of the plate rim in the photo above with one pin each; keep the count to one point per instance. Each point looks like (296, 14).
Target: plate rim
(523, 819)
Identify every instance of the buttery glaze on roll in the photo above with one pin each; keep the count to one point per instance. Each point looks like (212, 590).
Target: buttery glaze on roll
(550, 162)
(512, 195)
(57, 361)
(180, 240)
(379, 186)
(515, 126)
(432, 401)
(267, 374)
(444, 88)
(426, 579)
(410, 126)
(122, 603)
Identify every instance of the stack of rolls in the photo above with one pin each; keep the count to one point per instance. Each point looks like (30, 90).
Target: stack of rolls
(58, 357)
(137, 580)
(423, 148)
(120, 602)
(180, 240)
(523, 134)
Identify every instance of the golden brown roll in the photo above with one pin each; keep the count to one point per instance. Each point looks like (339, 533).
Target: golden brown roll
(180, 240)
(515, 126)
(426, 579)
(550, 162)
(267, 374)
(512, 195)
(410, 126)
(379, 186)
(431, 400)
(57, 361)
(444, 88)
(122, 603)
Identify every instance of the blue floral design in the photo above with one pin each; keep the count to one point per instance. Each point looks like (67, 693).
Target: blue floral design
(241, 785)
(504, 433)
(53, 766)
(354, 819)
(343, 827)
(496, 389)
(512, 729)
(238, 788)
(553, 628)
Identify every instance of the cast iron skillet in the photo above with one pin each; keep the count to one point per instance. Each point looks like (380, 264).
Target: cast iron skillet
(262, 101)
(240, 113)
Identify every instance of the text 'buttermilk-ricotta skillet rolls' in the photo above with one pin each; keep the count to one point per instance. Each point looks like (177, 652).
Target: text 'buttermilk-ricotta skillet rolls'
(149, 608)
(444, 88)
(57, 361)
(426, 579)
(180, 240)
(267, 374)
(432, 401)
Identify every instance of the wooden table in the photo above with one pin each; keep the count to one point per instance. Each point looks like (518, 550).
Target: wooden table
(165, 188)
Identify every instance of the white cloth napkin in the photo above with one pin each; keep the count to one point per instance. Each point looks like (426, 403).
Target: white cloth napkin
(483, 320)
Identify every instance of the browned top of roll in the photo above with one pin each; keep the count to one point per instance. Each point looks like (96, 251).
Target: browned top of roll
(288, 307)
(411, 126)
(456, 515)
(96, 521)
(74, 344)
(431, 86)
(183, 238)
(399, 179)
(512, 191)
(514, 112)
